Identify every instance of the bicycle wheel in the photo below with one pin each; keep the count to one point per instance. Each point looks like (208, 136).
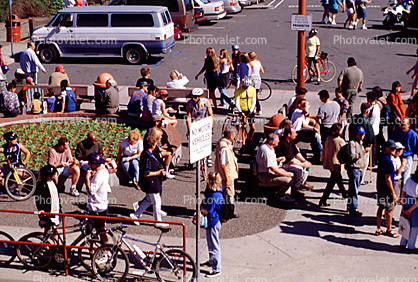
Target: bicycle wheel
(7, 250)
(265, 91)
(35, 256)
(327, 70)
(110, 263)
(295, 73)
(85, 256)
(24, 191)
(175, 265)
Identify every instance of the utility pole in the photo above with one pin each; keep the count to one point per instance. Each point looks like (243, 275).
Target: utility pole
(301, 48)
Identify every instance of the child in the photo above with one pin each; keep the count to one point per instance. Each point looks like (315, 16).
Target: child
(51, 100)
(145, 73)
(36, 104)
(399, 167)
(332, 146)
(69, 100)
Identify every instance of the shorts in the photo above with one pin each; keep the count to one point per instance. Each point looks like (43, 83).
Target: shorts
(248, 117)
(361, 13)
(385, 201)
(333, 11)
(312, 60)
(64, 171)
(326, 7)
(350, 11)
(98, 223)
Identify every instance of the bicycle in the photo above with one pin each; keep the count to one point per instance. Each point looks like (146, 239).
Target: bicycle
(111, 263)
(235, 120)
(40, 257)
(20, 182)
(263, 93)
(7, 250)
(326, 69)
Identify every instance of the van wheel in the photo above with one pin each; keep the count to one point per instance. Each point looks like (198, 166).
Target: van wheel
(48, 54)
(135, 55)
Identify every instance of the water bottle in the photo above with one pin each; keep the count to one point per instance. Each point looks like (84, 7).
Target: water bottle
(142, 256)
(24, 110)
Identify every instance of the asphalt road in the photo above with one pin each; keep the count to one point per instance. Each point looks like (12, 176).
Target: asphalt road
(267, 32)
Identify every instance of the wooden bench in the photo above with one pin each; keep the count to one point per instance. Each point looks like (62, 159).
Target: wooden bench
(176, 97)
(255, 184)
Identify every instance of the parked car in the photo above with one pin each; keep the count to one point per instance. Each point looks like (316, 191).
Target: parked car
(199, 16)
(232, 6)
(213, 10)
(245, 2)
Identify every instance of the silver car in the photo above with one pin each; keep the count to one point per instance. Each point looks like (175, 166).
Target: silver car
(232, 6)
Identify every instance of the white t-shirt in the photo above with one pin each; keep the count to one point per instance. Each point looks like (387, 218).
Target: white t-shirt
(374, 118)
(266, 158)
(130, 150)
(99, 189)
(291, 102)
(397, 164)
(298, 119)
(178, 83)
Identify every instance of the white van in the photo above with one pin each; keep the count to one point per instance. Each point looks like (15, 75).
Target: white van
(106, 31)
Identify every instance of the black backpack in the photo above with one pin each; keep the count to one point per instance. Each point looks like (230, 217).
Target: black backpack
(227, 211)
(343, 155)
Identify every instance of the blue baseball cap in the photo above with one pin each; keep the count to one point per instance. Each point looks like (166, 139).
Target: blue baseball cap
(360, 130)
(391, 144)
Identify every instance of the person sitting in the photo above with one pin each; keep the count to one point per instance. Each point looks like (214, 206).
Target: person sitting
(58, 76)
(145, 73)
(36, 104)
(85, 147)
(9, 101)
(69, 100)
(294, 161)
(110, 102)
(306, 128)
(12, 151)
(178, 80)
(61, 158)
(292, 105)
(268, 171)
(19, 77)
(147, 103)
(130, 150)
(51, 100)
(159, 108)
(135, 105)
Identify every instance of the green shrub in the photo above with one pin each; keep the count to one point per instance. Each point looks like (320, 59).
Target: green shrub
(33, 8)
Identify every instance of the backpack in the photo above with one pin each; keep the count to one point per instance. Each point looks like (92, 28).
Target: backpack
(227, 211)
(342, 155)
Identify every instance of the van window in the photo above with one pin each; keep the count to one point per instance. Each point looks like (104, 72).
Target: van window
(168, 16)
(164, 17)
(128, 20)
(172, 5)
(87, 20)
(63, 20)
(188, 5)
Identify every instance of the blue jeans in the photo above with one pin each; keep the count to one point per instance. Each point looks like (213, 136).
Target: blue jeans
(224, 96)
(310, 136)
(131, 168)
(212, 237)
(412, 238)
(407, 172)
(354, 180)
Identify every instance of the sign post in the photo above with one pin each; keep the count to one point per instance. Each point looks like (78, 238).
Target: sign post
(11, 26)
(200, 146)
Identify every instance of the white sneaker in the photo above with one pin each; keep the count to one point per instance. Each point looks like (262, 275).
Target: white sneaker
(74, 192)
(169, 175)
(350, 27)
(133, 216)
(162, 225)
(136, 206)
(333, 23)
(286, 199)
(364, 27)
(163, 213)
(171, 170)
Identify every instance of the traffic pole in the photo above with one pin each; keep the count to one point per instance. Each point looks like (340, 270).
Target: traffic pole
(11, 26)
(301, 48)
(198, 221)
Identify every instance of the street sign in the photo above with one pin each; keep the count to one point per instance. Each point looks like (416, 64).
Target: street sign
(301, 22)
(200, 140)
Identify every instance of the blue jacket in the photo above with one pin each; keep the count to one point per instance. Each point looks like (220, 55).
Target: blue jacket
(212, 204)
(408, 139)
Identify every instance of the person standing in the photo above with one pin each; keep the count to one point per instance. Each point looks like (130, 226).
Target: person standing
(243, 69)
(211, 208)
(351, 81)
(410, 199)
(374, 118)
(226, 163)
(30, 63)
(57, 76)
(327, 114)
(98, 188)
(385, 185)
(225, 69)
(409, 139)
(357, 162)
(414, 77)
(256, 70)
(312, 53)
(332, 146)
(151, 176)
(397, 107)
(210, 68)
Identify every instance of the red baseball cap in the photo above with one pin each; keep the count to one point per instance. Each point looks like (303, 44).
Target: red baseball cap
(59, 67)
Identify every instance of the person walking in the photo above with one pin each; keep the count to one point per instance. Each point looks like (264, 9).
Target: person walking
(351, 81)
(361, 11)
(414, 77)
(210, 68)
(332, 146)
(344, 106)
(30, 63)
(211, 208)
(256, 70)
(312, 53)
(333, 9)
(243, 69)
(225, 69)
(410, 205)
(226, 163)
(327, 114)
(385, 186)
(351, 14)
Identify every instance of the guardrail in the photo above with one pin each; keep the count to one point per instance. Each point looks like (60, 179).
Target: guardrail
(64, 215)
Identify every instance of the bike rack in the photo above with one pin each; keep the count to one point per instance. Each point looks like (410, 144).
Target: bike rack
(64, 215)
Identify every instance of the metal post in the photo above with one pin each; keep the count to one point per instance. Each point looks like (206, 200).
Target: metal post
(197, 220)
(301, 48)
(11, 26)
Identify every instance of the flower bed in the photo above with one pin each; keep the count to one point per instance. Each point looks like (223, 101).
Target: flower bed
(39, 137)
